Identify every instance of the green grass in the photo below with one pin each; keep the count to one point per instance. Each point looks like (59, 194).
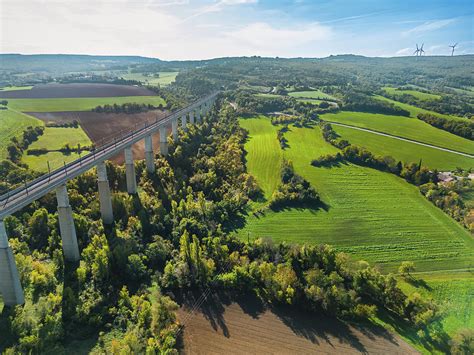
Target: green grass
(453, 291)
(404, 151)
(12, 124)
(369, 214)
(313, 94)
(405, 127)
(15, 88)
(164, 79)
(55, 138)
(268, 95)
(414, 111)
(78, 104)
(264, 154)
(415, 93)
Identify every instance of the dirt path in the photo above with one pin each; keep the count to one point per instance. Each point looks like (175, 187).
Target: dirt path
(248, 327)
(402, 139)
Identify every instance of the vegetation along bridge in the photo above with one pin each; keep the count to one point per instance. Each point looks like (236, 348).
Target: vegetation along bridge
(14, 200)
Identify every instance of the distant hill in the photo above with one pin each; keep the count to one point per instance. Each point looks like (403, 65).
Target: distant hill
(57, 63)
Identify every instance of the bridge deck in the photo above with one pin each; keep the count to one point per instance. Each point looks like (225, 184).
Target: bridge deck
(22, 196)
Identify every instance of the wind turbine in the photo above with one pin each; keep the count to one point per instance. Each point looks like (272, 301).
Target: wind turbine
(421, 49)
(417, 50)
(453, 46)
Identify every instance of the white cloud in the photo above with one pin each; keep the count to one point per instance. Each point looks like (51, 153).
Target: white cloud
(429, 26)
(219, 6)
(404, 51)
(270, 40)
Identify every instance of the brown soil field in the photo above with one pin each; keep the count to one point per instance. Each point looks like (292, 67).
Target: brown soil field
(45, 91)
(102, 127)
(246, 326)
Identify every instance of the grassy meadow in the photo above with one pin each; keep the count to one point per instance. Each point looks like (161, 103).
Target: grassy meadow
(415, 93)
(312, 94)
(405, 127)
(404, 151)
(164, 79)
(16, 88)
(78, 104)
(264, 155)
(12, 124)
(55, 138)
(414, 111)
(369, 214)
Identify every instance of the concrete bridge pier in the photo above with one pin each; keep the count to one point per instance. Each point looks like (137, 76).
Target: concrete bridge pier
(105, 199)
(10, 286)
(66, 225)
(130, 171)
(149, 156)
(198, 115)
(183, 122)
(163, 141)
(191, 117)
(174, 129)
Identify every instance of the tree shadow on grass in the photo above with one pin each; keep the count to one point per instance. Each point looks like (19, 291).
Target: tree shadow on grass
(418, 283)
(313, 207)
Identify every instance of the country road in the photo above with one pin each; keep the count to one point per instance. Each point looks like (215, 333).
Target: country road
(402, 139)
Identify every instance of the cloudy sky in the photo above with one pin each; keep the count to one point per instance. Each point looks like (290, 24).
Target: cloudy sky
(189, 29)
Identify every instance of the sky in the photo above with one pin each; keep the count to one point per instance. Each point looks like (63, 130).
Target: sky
(202, 29)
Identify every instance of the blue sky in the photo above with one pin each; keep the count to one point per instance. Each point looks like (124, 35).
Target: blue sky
(186, 29)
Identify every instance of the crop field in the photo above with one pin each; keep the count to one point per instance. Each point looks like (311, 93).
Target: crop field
(313, 94)
(246, 326)
(104, 126)
(15, 88)
(414, 111)
(12, 124)
(415, 93)
(164, 79)
(48, 91)
(267, 95)
(78, 104)
(404, 151)
(405, 127)
(369, 214)
(55, 138)
(264, 155)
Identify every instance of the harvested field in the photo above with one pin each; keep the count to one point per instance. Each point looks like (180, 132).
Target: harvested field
(106, 126)
(76, 90)
(249, 327)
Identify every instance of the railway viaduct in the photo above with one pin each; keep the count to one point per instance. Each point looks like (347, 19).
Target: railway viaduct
(10, 286)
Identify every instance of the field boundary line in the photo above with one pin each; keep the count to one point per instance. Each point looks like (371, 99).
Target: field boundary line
(401, 138)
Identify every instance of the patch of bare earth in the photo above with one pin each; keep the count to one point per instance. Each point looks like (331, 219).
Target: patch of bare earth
(102, 127)
(54, 90)
(246, 326)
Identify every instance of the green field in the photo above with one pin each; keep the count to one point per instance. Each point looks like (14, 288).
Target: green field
(264, 155)
(414, 111)
(454, 292)
(164, 79)
(313, 94)
(404, 151)
(405, 127)
(13, 124)
(372, 215)
(15, 88)
(415, 93)
(55, 138)
(78, 104)
(268, 95)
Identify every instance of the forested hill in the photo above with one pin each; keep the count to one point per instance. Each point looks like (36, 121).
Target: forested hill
(68, 62)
